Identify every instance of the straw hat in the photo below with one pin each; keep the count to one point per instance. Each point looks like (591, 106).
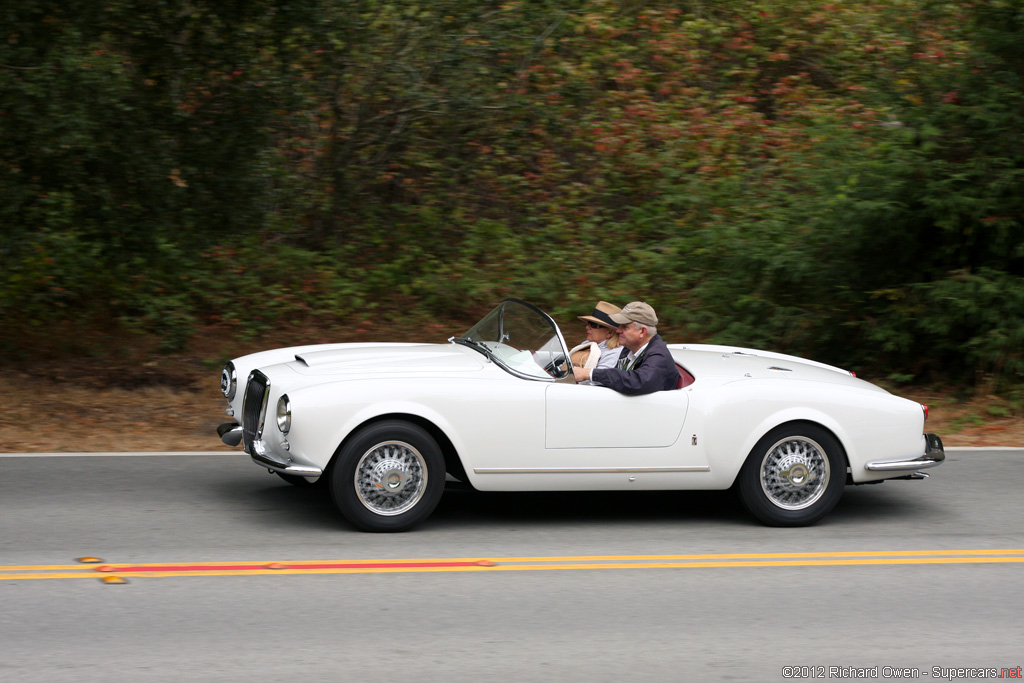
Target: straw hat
(602, 315)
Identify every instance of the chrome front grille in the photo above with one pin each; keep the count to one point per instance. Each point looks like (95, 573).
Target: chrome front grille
(254, 408)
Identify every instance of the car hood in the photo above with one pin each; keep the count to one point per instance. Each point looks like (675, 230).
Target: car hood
(366, 359)
(297, 366)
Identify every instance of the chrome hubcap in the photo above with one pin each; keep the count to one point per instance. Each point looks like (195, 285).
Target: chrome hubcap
(390, 478)
(795, 473)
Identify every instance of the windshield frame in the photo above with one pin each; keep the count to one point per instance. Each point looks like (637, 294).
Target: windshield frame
(511, 358)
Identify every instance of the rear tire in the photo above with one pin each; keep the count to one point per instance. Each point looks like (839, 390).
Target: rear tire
(794, 476)
(388, 477)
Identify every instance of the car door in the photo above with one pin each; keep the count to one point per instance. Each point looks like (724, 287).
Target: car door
(592, 426)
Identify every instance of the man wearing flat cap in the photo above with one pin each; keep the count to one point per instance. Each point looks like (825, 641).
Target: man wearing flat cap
(645, 364)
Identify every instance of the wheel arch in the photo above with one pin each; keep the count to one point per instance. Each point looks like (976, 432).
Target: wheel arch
(452, 461)
(794, 423)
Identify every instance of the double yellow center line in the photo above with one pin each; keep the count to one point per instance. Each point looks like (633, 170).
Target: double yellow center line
(95, 568)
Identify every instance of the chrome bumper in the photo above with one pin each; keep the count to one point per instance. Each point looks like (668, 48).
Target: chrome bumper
(231, 434)
(261, 456)
(934, 454)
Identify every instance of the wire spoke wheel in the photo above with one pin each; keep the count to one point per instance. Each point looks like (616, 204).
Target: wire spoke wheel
(795, 473)
(388, 477)
(391, 478)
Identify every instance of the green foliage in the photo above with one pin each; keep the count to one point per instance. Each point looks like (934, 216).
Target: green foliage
(838, 180)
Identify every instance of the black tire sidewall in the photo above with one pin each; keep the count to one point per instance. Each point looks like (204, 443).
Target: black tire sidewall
(755, 499)
(342, 473)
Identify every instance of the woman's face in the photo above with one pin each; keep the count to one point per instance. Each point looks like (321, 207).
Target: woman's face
(598, 333)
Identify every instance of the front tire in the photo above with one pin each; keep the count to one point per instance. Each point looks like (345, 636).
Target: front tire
(794, 476)
(388, 477)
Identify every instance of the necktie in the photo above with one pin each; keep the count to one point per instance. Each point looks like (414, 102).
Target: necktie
(632, 364)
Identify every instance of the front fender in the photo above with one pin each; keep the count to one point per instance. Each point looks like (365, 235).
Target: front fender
(324, 416)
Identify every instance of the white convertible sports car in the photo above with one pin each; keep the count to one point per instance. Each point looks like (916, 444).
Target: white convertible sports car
(385, 425)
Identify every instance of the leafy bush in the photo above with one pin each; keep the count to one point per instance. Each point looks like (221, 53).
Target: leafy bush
(828, 180)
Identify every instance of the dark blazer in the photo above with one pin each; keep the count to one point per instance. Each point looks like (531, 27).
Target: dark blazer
(654, 371)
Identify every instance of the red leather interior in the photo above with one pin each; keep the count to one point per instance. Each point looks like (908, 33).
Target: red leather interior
(685, 378)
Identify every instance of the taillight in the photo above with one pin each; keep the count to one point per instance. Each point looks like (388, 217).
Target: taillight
(925, 409)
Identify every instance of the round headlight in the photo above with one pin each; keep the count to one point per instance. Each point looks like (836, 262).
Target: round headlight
(228, 381)
(284, 414)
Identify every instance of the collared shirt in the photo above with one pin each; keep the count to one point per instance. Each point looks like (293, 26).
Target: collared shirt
(630, 358)
(608, 356)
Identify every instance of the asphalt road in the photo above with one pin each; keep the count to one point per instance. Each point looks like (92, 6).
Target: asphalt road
(230, 574)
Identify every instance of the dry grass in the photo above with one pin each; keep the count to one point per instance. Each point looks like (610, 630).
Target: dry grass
(47, 416)
(976, 421)
(122, 401)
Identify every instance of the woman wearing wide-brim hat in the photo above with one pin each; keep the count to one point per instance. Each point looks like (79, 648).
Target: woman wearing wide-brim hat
(600, 350)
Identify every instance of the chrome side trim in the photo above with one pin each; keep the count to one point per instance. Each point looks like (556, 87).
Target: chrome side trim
(934, 455)
(230, 433)
(588, 470)
(260, 456)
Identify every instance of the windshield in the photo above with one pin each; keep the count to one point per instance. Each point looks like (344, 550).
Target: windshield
(521, 339)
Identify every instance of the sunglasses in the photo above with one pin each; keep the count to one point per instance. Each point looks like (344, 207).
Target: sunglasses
(595, 325)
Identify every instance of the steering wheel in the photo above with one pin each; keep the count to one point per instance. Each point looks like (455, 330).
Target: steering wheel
(554, 367)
